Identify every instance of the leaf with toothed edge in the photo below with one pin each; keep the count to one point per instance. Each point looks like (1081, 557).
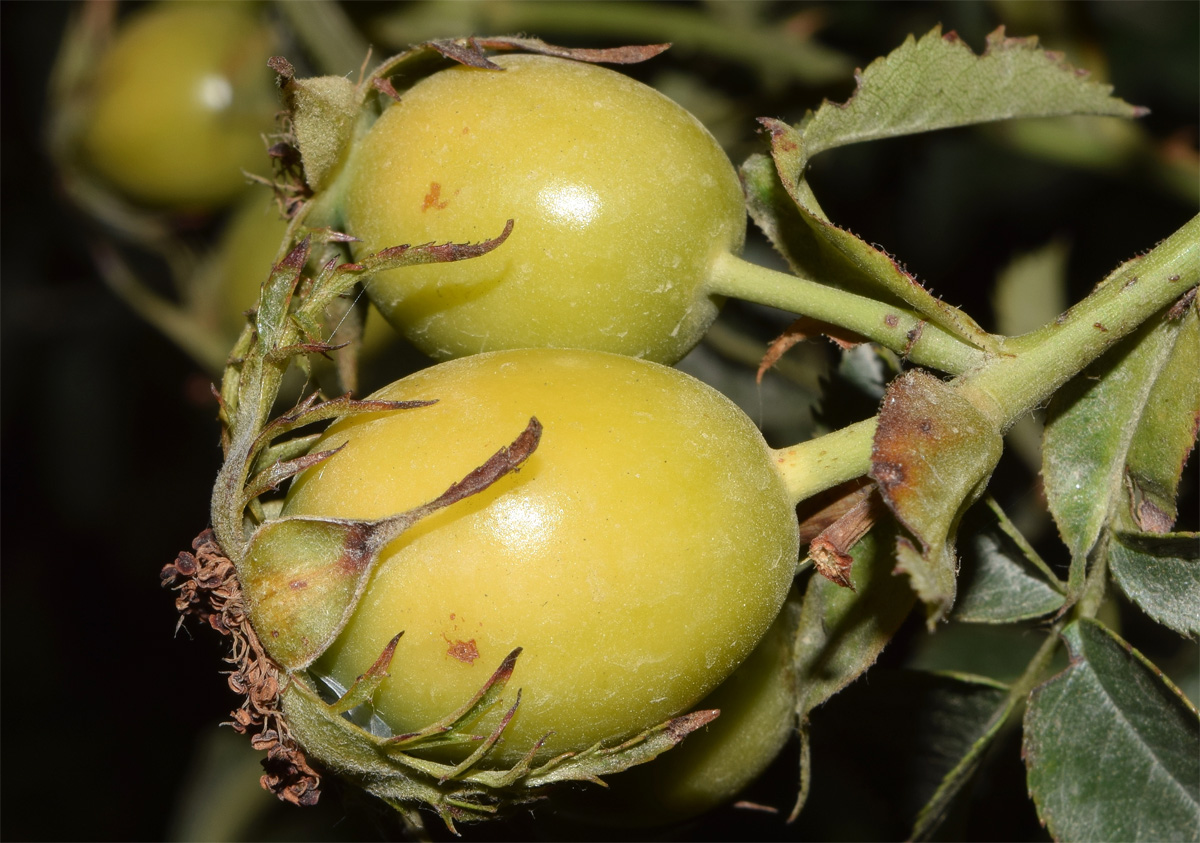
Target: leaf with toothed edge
(1160, 572)
(1013, 78)
(1111, 746)
(302, 577)
(1117, 438)
(937, 82)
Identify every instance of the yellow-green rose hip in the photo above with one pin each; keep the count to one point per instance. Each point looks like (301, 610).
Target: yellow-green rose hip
(637, 557)
(621, 201)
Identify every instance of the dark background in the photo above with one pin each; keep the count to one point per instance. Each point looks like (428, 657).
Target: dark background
(109, 444)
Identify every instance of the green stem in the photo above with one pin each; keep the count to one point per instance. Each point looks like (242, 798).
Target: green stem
(1032, 367)
(822, 463)
(883, 323)
(1029, 369)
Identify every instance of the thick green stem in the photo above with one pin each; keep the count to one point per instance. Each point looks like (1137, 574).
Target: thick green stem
(1032, 367)
(822, 463)
(888, 325)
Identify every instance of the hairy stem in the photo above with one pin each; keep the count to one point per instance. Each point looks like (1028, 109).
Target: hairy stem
(822, 463)
(1035, 365)
(897, 328)
(1029, 369)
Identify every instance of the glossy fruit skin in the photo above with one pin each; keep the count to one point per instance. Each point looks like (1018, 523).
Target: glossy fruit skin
(638, 556)
(180, 102)
(621, 201)
(757, 704)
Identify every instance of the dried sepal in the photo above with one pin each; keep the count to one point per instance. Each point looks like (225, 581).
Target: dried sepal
(466, 791)
(277, 472)
(797, 332)
(450, 728)
(830, 550)
(207, 587)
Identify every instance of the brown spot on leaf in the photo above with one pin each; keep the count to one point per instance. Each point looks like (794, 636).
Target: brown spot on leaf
(1100, 326)
(297, 585)
(891, 320)
(889, 474)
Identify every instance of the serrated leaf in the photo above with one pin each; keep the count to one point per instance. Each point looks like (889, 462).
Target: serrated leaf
(1166, 433)
(916, 728)
(1161, 574)
(932, 456)
(937, 82)
(934, 83)
(997, 583)
(1111, 747)
(1091, 427)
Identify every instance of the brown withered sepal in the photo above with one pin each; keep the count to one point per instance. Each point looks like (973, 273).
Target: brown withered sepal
(207, 588)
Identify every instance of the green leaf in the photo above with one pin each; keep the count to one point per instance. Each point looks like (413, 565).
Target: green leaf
(1167, 431)
(932, 456)
(1099, 420)
(1161, 574)
(1111, 747)
(917, 727)
(997, 582)
(938, 83)
(1032, 290)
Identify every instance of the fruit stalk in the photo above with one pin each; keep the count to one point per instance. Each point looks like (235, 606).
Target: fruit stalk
(897, 328)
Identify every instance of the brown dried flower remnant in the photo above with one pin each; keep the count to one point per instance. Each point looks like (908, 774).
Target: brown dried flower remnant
(208, 588)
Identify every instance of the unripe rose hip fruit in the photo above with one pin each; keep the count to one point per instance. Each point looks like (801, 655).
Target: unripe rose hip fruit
(621, 199)
(637, 557)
